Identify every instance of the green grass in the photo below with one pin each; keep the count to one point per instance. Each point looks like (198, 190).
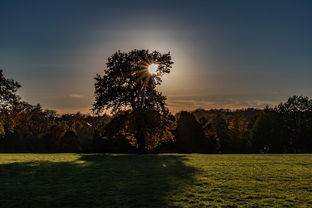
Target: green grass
(170, 180)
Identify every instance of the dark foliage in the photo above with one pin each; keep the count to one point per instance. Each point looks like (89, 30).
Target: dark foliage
(286, 128)
(8, 88)
(190, 135)
(128, 89)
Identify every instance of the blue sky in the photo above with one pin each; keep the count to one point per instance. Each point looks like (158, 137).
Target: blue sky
(227, 54)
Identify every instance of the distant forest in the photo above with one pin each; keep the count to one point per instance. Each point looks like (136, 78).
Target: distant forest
(286, 128)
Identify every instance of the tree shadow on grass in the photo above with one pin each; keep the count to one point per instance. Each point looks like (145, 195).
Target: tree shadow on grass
(96, 180)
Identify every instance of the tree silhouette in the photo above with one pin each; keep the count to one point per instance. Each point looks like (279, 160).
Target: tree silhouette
(8, 88)
(8, 100)
(296, 115)
(190, 135)
(127, 85)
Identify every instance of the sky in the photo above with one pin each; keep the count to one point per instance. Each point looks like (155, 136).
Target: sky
(226, 53)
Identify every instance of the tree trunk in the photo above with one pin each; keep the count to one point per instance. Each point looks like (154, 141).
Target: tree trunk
(141, 143)
(140, 134)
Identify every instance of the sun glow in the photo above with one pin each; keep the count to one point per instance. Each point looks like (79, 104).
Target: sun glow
(152, 68)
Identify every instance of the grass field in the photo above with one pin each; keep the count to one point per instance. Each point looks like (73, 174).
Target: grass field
(173, 180)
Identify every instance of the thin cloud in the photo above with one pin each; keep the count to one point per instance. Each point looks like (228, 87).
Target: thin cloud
(74, 95)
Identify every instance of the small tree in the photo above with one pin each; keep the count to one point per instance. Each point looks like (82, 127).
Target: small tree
(190, 136)
(129, 85)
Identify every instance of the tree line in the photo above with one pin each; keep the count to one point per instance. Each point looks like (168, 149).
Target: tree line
(286, 128)
(141, 122)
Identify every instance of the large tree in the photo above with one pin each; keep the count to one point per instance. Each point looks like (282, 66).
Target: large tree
(128, 90)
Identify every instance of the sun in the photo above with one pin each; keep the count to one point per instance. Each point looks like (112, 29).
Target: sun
(152, 68)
